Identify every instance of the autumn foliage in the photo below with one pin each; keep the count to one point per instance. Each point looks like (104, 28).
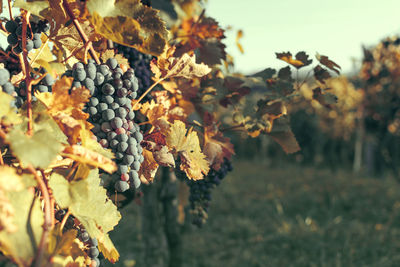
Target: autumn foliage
(50, 159)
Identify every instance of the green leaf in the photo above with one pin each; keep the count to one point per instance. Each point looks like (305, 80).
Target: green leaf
(21, 245)
(130, 23)
(39, 150)
(88, 202)
(44, 145)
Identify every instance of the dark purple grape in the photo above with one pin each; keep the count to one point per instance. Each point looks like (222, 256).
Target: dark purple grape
(11, 26)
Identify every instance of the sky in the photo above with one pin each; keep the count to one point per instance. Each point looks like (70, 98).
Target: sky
(335, 28)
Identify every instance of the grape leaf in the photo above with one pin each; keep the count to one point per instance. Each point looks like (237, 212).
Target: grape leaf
(153, 111)
(86, 156)
(148, 168)
(99, 215)
(287, 57)
(284, 136)
(67, 38)
(7, 113)
(203, 36)
(28, 218)
(200, 29)
(163, 157)
(185, 66)
(43, 147)
(303, 57)
(130, 23)
(211, 52)
(236, 90)
(324, 60)
(9, 181)
(325, 99)
(60, 243)
(321, 74)
(265, 74)
(186, 144)
(216, 146)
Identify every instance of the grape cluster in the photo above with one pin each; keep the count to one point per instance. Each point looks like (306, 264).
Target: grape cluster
(19, 93)
(200, 192)
(90, 243)
(111, 114)
(14, 39)
(141, 63)
(10, 60)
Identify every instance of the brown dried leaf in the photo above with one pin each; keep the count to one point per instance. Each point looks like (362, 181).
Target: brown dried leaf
(164, 158)
(324, 60)
(212, 51)
(321, 74)
(149, 167)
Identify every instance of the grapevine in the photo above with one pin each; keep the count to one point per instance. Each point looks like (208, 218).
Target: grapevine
(81, 122)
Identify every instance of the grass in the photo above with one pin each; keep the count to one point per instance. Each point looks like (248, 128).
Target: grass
(291, 216)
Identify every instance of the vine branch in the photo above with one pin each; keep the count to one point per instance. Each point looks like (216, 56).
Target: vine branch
(147, 91)
(9, 9)
(28, 81)
(47, 225)
(64, 220)
(82, 34)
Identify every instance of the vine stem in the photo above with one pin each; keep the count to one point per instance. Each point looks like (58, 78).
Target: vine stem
(64, 220)
(82, 34)
(9, 9)
(52, 200)
(147, 91)
(47, 225)
(28, 81)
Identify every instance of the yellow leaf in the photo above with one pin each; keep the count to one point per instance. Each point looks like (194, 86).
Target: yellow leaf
(86, 156)
(287, 57)
(186, 144)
